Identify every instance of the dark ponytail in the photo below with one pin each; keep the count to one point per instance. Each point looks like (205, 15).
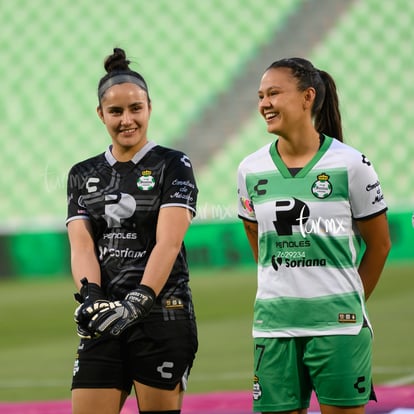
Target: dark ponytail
(328, 118)
(325, 110)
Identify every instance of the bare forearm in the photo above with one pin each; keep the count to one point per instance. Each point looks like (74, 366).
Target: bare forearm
(378, 244)
(85, 264)
(172, 225)
(252, 236)
(371, 267)
(159, 266)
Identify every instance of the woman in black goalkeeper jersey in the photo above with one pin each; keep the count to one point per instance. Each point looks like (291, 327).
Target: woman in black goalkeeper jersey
(128, 211)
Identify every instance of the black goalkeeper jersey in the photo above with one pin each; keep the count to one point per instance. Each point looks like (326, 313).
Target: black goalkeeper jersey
(122, 201)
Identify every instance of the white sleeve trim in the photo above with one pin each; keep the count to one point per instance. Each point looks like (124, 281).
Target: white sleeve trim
(80, 217)
(179, 205)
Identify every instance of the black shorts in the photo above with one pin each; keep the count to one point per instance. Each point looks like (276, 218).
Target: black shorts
(157, 354)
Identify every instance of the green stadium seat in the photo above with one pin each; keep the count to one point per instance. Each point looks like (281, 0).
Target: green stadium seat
(189, 52)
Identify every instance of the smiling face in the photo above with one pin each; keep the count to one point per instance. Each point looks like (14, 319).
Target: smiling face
(284, 107)
(125, 111)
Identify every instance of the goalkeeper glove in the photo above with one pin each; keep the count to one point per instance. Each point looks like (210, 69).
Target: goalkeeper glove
(92, 300)
(119, 315)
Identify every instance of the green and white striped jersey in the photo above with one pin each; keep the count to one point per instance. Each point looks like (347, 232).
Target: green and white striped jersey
(309, 245)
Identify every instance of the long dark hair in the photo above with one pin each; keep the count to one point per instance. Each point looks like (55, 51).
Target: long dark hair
(325, 109)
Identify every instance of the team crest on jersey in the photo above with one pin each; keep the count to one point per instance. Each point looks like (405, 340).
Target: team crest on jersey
(322, 188)
(146, 181)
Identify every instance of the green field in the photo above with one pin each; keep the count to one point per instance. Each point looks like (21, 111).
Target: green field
(38, 339)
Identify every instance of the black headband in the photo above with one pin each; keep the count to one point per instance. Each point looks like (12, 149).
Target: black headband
(121, 78)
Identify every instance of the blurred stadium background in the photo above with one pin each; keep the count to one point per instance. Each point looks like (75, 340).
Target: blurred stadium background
(203, 61)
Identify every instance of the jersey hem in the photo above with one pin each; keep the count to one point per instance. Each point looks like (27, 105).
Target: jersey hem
(292, 333)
